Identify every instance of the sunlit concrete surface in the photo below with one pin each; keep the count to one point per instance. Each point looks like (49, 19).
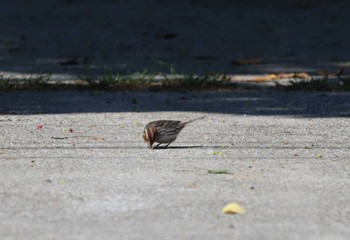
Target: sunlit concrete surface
(73, 165)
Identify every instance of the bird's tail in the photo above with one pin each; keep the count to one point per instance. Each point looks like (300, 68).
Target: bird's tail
(194, 120)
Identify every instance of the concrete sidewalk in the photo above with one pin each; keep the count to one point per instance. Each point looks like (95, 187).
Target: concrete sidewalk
(73, 165)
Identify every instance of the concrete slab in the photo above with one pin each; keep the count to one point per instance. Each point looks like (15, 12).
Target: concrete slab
(73, 165)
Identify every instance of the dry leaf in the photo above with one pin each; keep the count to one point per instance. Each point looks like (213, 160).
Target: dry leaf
(302, 75)
(247, 61)
(233, 208)
(80, 82)
(326, 73)
(267, 77)
(97, 138)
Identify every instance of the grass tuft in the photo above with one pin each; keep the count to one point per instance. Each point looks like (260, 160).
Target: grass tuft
(33, 82)
(153, 80)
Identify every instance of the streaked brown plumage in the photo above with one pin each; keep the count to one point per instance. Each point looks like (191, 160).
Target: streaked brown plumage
(164, 131)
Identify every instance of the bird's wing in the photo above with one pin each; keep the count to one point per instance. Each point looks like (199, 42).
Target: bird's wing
(169, 127)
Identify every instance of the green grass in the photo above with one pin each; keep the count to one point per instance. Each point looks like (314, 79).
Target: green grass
(154, 80)
(33, 82)
(148, 79)
(114, 82)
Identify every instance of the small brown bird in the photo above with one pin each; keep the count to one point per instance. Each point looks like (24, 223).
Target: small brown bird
(164, 131)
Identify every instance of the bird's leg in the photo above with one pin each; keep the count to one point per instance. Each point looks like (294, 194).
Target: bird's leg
(156, 146)
(168, 145)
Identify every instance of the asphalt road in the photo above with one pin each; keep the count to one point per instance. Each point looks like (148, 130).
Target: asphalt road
(69, 37)
(73, 165)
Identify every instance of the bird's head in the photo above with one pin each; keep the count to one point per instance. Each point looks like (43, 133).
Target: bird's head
(149, 136)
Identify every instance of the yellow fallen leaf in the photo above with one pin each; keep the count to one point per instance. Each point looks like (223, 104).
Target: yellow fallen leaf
(233, 208)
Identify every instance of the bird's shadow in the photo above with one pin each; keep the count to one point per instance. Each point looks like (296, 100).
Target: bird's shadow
(185, 147)
(182, 147)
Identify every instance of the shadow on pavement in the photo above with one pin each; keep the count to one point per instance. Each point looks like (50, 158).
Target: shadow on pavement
(73, 36)
(254, 103)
